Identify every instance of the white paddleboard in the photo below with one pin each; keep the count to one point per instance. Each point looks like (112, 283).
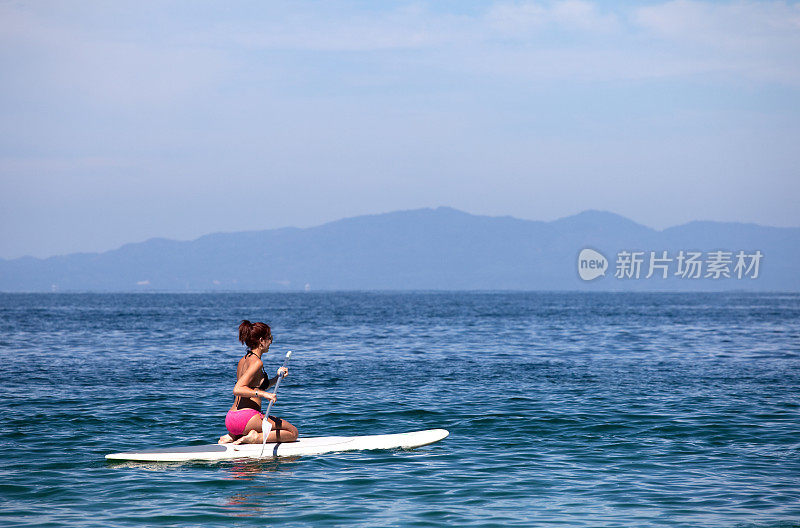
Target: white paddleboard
(303, 446)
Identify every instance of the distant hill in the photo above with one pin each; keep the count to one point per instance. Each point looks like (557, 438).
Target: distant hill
(423, 249)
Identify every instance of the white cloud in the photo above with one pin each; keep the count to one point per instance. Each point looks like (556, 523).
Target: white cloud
(755, 40)
(313, 30)
(517, 19)
(583, 16)
(560, 40)
(750, 27)
(523, 18)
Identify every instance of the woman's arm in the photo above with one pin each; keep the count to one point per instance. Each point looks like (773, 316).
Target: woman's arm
(272, 381)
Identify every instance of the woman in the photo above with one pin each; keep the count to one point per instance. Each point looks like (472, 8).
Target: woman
(244, 419)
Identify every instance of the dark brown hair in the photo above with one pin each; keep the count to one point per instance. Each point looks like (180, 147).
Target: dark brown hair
(250, 334)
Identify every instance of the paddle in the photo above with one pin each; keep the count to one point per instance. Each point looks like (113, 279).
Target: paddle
(267, 430)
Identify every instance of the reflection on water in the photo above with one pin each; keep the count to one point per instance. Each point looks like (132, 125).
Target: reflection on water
(146, 466)
(248, 469)
(262, 481)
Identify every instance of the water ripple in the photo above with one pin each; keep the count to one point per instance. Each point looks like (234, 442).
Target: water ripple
(564, 409)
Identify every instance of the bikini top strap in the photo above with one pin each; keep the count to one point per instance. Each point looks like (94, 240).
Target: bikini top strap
(238, 398)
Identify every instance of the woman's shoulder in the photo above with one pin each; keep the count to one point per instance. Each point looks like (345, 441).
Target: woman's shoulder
(251, 359)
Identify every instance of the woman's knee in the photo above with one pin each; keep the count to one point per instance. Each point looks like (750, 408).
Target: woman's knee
(287, 426)
(290, 430)
(287, 435)
(284, 427)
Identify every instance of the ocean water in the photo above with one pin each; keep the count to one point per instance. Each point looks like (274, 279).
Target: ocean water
(563, 409)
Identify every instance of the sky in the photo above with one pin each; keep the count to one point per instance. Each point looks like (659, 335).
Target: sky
(122, 121)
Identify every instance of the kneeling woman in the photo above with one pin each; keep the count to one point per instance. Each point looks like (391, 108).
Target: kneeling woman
(244, 419)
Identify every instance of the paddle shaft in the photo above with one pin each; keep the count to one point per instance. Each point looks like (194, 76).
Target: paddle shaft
(266, 430)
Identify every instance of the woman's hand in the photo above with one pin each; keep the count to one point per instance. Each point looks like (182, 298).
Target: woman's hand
(283, 371)
(269, 396)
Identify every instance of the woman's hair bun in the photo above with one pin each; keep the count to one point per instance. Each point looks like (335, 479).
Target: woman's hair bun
(250, 334)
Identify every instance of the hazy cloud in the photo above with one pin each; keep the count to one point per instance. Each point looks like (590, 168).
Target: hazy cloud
(523, 18)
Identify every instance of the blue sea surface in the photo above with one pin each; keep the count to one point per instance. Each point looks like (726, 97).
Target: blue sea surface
(564, 409)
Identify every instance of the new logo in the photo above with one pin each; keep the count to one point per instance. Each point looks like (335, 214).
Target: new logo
(591, 264)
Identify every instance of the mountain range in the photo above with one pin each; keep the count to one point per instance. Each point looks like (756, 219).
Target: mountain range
(430, 249)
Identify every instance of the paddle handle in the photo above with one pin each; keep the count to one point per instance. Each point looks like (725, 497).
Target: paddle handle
(266, 430)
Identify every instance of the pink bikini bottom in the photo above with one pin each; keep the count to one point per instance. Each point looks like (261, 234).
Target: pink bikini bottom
(236, 421)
